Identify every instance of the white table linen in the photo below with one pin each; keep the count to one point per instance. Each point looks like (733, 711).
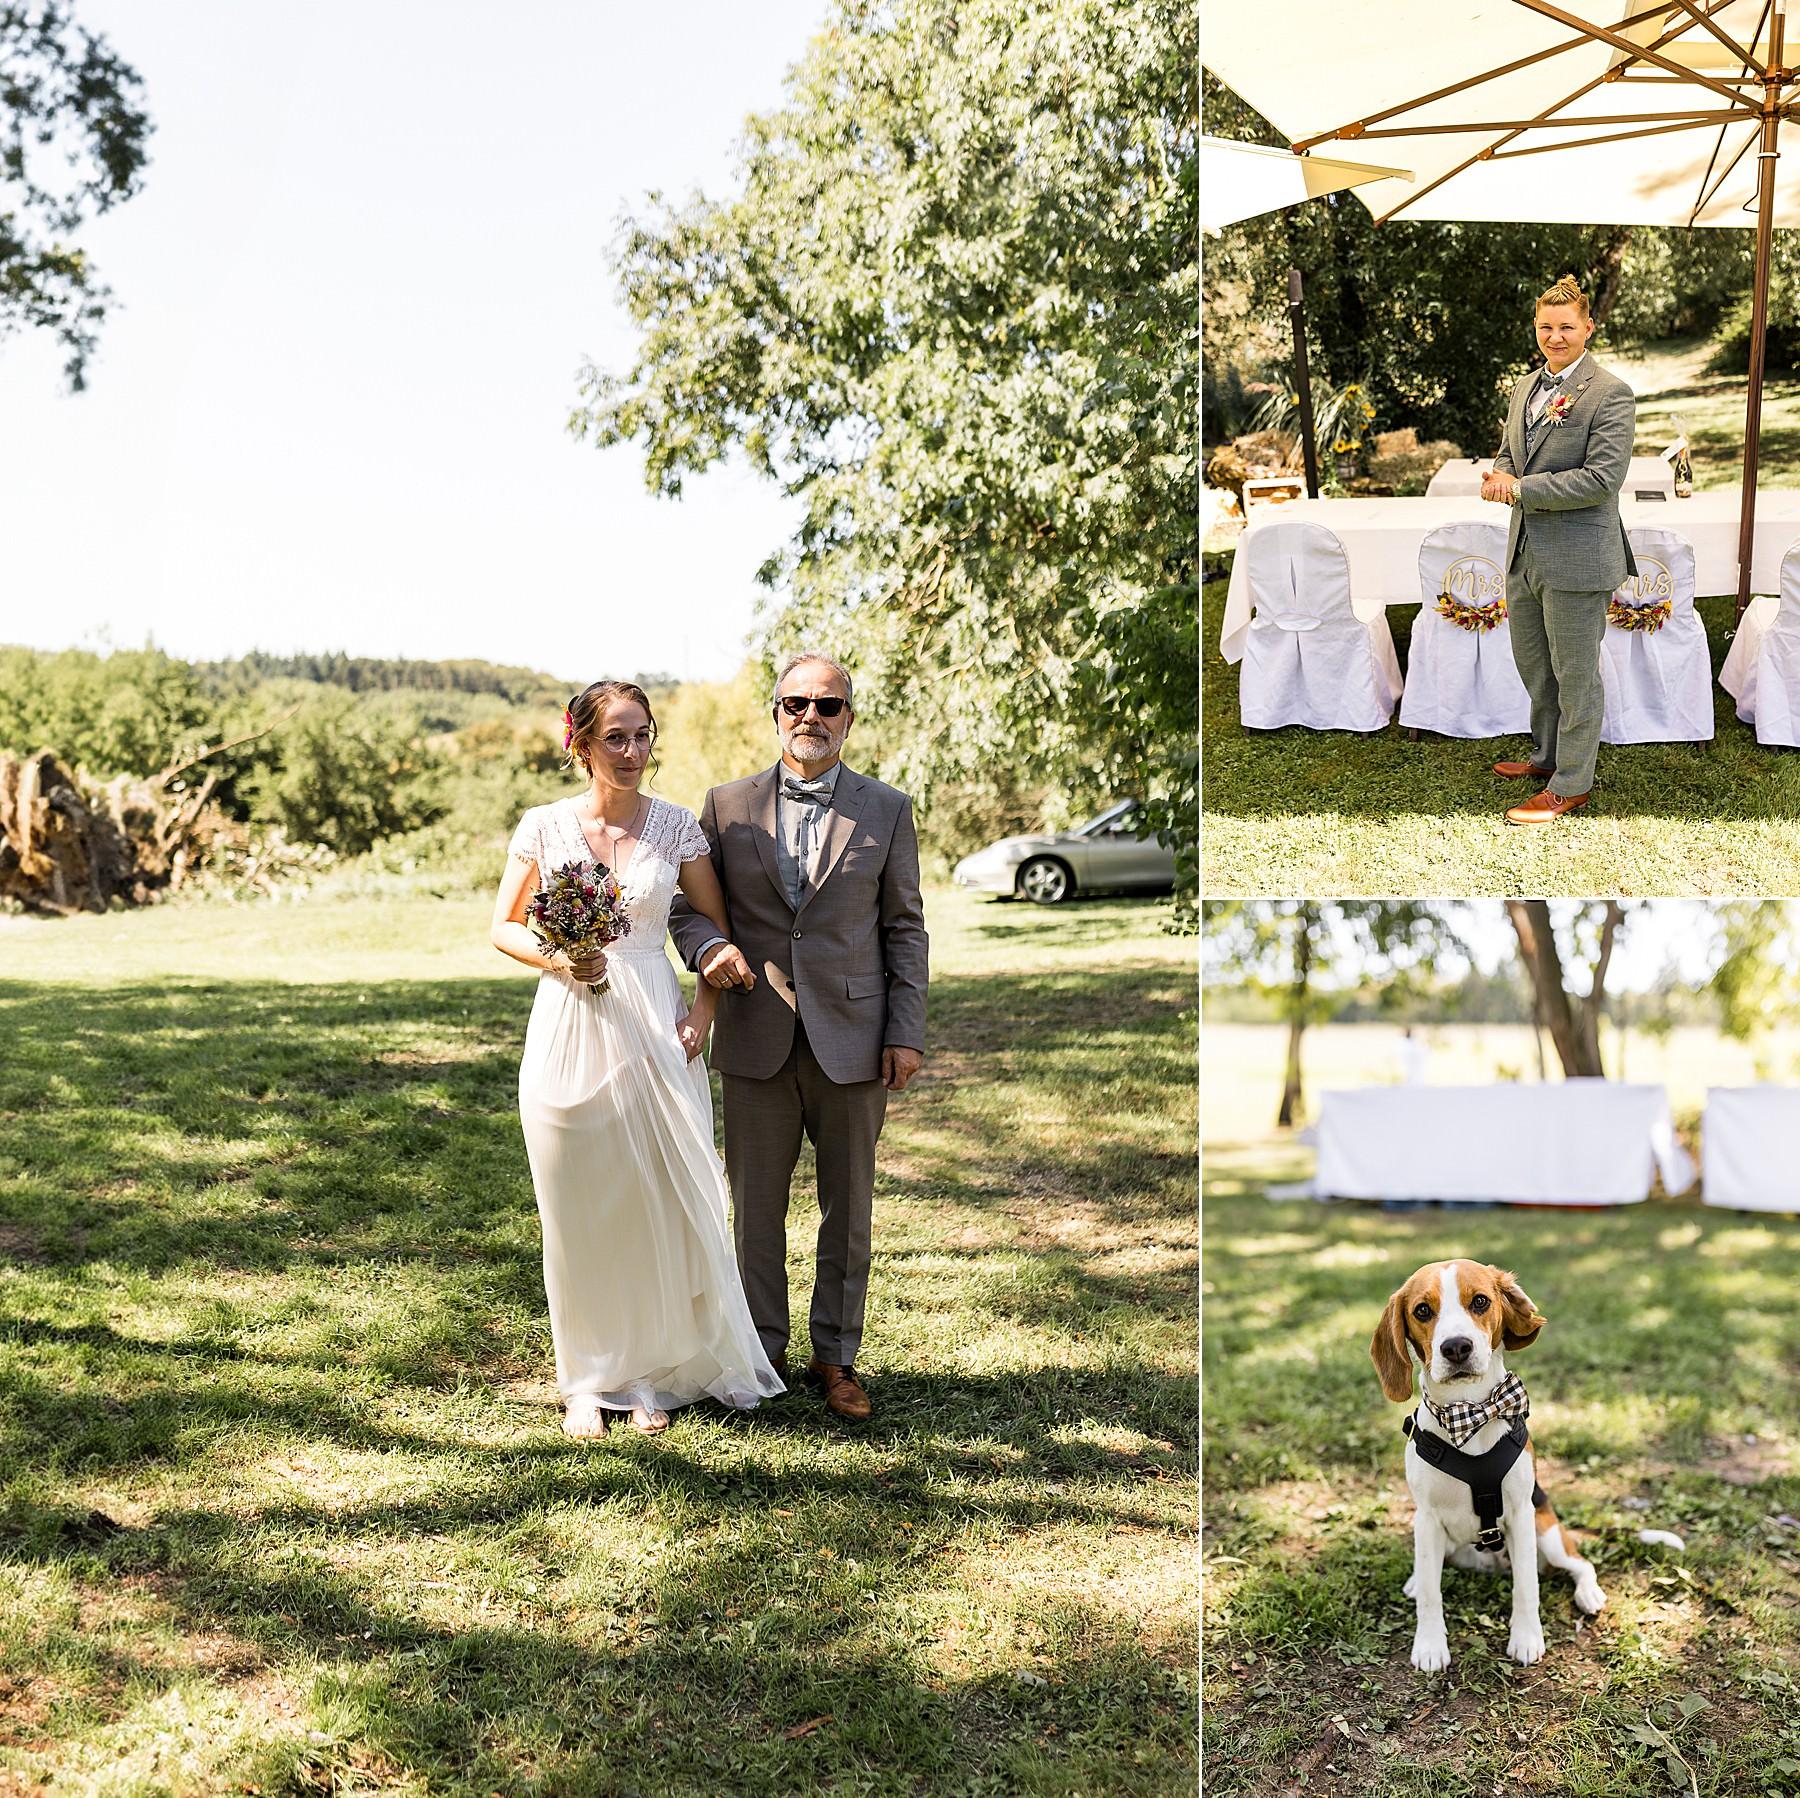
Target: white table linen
(1382, 537)
(1750, 1148)
(1762, 667)
(1577, 1142)
(1462, 478)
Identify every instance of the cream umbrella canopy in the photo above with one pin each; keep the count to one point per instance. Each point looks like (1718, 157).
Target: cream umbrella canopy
(1593, 112)
(1237, 181)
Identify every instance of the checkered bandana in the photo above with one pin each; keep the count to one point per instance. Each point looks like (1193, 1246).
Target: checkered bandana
(1460, 1421)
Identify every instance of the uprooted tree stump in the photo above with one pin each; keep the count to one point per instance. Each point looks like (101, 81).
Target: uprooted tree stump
(70, 843)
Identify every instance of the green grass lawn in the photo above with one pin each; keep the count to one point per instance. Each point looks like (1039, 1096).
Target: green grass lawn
(284, 1507)
(1664, 1394)
(1304, 811)
(1299, 811)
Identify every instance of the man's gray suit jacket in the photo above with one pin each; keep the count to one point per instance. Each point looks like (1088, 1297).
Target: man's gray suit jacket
(852, 960)
(1570, 476)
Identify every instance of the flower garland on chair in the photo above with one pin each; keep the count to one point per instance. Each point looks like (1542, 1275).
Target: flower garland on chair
(1467, 616)
(1647, 618)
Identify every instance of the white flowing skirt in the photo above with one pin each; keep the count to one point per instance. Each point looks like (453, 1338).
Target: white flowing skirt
(646, 1306)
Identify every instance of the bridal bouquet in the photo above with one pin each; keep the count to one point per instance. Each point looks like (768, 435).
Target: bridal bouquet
(579, 910)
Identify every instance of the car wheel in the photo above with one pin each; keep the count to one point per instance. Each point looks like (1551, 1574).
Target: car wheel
(1046, 881)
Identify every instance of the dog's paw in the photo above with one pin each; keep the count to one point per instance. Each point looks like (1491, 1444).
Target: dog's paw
(1526, 1643)
(1411, 1588)
(1588, 1596)
(1430, 1651)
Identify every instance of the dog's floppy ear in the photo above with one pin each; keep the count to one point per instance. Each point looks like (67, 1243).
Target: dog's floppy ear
(1388, 1351)
(1520, 1320)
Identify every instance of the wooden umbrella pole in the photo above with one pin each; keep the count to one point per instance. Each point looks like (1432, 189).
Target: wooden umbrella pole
(1303, 386)
(1759, 309)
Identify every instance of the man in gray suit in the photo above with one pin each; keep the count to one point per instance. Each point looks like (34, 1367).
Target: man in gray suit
(1569, 435)
(822, 1008)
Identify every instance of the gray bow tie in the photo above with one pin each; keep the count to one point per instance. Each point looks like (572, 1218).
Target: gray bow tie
(806, 792)
(1547, 379)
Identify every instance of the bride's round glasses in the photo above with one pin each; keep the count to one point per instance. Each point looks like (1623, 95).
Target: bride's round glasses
(616, 742)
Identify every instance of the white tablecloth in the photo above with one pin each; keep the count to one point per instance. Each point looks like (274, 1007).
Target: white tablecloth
(1577, 1142)
(1461, 479)
(1750, 1148)
(1381, 537)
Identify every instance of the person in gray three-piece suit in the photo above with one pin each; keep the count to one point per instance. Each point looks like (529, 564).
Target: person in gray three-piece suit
(1567, 450)
(822, 1006)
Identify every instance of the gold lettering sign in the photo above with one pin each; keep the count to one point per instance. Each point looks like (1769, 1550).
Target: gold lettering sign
(1475, 581)
(1651, 582)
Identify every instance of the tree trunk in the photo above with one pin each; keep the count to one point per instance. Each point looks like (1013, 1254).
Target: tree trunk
(1576, 1038)
(1293, 1102)
(1608, 273)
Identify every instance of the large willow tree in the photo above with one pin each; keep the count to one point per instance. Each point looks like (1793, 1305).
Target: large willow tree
(953, 310)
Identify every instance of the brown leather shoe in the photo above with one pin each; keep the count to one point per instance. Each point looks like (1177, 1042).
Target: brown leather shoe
(779, 1363)
(1519, 770)
(843, 1390)
(1546, 808)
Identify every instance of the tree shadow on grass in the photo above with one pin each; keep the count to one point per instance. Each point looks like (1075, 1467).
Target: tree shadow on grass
(1384, 774)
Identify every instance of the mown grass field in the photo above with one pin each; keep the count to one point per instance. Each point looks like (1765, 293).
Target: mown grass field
(1299, 811)
(1665, 1393)
(284, 1507)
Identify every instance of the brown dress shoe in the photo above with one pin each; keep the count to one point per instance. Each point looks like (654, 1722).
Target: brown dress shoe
(779, 1363)
(1519, 770)
(843, 1390)
(1546, 808)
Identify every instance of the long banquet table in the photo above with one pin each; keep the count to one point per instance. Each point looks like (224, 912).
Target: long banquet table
(1574, 1142)
(1463, 477)
(1750, 1148)
(1381, 538)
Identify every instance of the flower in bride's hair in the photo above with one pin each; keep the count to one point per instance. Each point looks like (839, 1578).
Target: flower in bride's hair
(568, 729)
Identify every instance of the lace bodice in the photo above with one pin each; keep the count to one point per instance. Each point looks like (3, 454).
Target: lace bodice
(551, 836)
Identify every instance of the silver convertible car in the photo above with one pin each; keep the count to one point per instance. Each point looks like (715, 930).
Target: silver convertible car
(1110, 853)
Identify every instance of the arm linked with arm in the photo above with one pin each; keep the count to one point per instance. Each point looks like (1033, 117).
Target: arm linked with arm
(692, 931)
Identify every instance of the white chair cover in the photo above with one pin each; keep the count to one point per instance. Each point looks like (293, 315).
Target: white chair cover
(1762, 668)
(1463, 683)
(1308, 658)
(1658, 684)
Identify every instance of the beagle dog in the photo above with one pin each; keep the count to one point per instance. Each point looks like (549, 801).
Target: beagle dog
(1458, 1319)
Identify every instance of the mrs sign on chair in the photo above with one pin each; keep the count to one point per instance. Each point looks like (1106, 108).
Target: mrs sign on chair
(1655, 667)
(1460, 678)
(1308, 658)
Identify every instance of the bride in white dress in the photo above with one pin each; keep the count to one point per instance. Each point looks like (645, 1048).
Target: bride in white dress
(646, 1307)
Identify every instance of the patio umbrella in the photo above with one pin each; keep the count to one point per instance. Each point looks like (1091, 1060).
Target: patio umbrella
(1237, 181)
(1589, 112)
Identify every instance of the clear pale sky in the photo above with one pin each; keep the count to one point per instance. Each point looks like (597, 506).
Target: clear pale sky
(352, 299)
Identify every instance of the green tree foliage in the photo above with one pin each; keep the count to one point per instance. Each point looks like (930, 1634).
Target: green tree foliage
(130, 712)
(72, 143)
(373, 674)
(345, 774)
(1293, 952)
(952, 311)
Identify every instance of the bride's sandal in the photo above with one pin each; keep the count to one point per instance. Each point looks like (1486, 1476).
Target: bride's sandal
(585, 1419)
(649, 1423)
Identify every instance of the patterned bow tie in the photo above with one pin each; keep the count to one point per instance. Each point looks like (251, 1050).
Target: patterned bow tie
(806, 792)
(1547, 379)
(1460, 1420)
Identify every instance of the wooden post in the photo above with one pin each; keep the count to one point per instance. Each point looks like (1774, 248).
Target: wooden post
(1309, 450)
(1759, 305)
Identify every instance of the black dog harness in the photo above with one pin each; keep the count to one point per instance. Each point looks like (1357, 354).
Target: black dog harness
(1482, 1474)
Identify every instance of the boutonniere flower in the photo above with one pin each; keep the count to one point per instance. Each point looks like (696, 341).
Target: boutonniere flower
(1558, 409)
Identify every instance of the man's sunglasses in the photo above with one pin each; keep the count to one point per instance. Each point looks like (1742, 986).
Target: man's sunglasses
(795, 704)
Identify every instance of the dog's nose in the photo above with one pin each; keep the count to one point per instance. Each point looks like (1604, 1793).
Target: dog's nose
(1457, 1348)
